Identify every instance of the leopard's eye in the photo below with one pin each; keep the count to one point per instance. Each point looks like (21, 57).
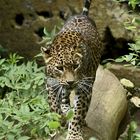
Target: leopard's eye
(75, 66)
(60, 68)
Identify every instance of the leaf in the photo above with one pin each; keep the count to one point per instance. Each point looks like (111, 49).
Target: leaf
(38, 55)
(2, 61)
(54, 116)
(133, 63)
(137, 21)
(130, 27)
(119, 60)
(133, 126)
(34, 131)
(138, 64)
(24, 109)
(137, 136)
(53, 124)
(53, 33)
(127, 58)
(1, 118)
(2, 137)
(46, 32)
(47, 130)
(11, 137)
(133, 54)
(69, 114)
(131, 130)
(24, 138)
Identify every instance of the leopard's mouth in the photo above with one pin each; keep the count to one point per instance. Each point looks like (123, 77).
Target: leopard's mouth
(84, 85)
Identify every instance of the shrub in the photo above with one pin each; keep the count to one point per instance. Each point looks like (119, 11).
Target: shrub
(24, 109)
(133, 3)
(133, 58)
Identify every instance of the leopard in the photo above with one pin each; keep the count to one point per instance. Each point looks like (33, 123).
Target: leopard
(71, 61)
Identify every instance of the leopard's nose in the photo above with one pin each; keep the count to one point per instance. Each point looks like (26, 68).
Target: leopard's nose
(70, 82)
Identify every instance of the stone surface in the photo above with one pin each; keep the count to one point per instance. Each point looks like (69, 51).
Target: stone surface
(108, 105)
(22, 21)
(129, 72)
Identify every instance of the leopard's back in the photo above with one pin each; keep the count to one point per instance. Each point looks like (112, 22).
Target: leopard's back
(87, 31)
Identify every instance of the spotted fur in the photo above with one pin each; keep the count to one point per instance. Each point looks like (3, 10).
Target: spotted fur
(71, 63)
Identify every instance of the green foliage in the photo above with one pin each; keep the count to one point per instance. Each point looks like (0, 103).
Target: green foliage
(49, 36)
(133, 57)
(24, 111)
(69, 114)
(133, 25)
(20, 77)
(133, 3)
(131, 133)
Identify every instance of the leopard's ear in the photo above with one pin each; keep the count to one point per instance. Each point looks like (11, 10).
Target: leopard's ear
(45, 51)
(79, 55)
(46, 54)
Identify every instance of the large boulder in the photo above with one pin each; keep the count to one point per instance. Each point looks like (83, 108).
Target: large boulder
(108, 105)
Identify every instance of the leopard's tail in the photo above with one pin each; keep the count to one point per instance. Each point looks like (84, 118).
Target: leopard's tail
(86, 7)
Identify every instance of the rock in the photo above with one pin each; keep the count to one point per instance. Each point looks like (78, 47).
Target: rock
(22, 22)
(129, 72)
(127, 83)
(108, 105)
(136, 101)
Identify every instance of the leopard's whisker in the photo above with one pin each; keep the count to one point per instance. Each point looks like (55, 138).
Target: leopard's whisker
(56, 88)
(88, 85)
(59, 92)
(55, 85)
(88, 78)
(83, 88)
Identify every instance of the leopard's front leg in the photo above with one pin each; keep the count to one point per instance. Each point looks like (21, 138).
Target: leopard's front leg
(53, 88)
(65, 100)
(81, 104)
(58, 98)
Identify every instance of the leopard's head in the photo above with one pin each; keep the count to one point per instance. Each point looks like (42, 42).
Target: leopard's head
(64, 58)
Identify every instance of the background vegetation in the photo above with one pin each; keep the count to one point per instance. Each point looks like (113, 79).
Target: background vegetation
(24, 111)
(132, 3)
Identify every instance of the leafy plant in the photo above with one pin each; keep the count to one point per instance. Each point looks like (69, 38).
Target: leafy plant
(49, 36)
(134, 56)
(133, 3)
(133, 25)
(131, 133)
(25, 113)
